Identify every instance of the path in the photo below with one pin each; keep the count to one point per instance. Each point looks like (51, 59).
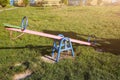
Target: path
(8, 9)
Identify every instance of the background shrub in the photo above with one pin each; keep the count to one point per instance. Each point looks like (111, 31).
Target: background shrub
(25, 2)
(3, 3)
(65, 1)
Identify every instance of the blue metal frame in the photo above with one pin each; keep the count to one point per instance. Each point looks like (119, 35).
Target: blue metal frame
(11, 2)
(24, 23)
(63, 45)
(89, 39)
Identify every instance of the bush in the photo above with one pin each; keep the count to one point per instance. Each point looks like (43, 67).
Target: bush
(65, 1)
(25, 2)
(99, 2)
(3, 3)
(40, 3)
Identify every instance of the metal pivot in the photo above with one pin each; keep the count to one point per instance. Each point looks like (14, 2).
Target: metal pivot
(63, 45)
(94, 39)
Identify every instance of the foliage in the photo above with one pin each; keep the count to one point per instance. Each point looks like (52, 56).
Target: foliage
(65, 1)
(40, 3)
(88, 2)
(25, 2)
(4, 3)
(99, 2)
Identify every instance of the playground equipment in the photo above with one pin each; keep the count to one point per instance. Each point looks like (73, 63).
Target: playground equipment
(64, 41)
(11, 2)
(63, 45)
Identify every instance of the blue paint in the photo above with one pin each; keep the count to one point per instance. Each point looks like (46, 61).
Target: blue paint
(94, 41)
(24, 23)
(63, 45)
(11, 2)
(32, 2)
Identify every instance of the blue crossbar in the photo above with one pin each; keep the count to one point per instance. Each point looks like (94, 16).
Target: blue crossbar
(63, 45)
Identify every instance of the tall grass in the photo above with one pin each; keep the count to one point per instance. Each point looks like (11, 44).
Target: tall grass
(101, 62)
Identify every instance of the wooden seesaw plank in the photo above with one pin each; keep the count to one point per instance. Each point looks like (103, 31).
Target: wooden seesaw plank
(48, 35)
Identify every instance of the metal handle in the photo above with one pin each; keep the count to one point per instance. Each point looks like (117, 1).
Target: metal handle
(24, 23)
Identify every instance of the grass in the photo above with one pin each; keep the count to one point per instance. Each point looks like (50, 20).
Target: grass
(101, 62)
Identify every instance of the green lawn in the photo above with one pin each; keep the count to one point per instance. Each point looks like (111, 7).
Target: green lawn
(101, 62)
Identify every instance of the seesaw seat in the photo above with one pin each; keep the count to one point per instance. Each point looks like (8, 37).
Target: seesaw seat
(11, 26)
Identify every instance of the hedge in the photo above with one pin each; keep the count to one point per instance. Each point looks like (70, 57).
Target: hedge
(3, 3)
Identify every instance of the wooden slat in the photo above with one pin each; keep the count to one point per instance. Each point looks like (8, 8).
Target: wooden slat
(48, 35)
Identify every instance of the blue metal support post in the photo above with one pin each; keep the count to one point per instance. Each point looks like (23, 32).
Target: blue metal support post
(11, 2)
(63, 45)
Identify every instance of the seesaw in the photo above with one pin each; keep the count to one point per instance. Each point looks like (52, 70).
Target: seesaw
(63, 40)
(23, 29)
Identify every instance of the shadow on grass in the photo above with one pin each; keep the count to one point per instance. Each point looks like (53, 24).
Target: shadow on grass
(105, 45)
(44, 50)
(86, 76)
(110, 45)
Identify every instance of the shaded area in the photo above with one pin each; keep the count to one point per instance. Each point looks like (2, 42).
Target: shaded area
(66, 77)
(86, 76)
(104, 45)
(41, 49)
(110, 45)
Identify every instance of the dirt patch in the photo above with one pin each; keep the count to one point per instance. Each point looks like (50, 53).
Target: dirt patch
(48, 59)
(118, 14)
(63, 55)
(22, 75)
(17, 64)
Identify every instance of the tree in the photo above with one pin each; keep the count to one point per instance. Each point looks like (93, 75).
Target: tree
(3, 3)
(99, 2)
(65, 1)
(25, 2)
